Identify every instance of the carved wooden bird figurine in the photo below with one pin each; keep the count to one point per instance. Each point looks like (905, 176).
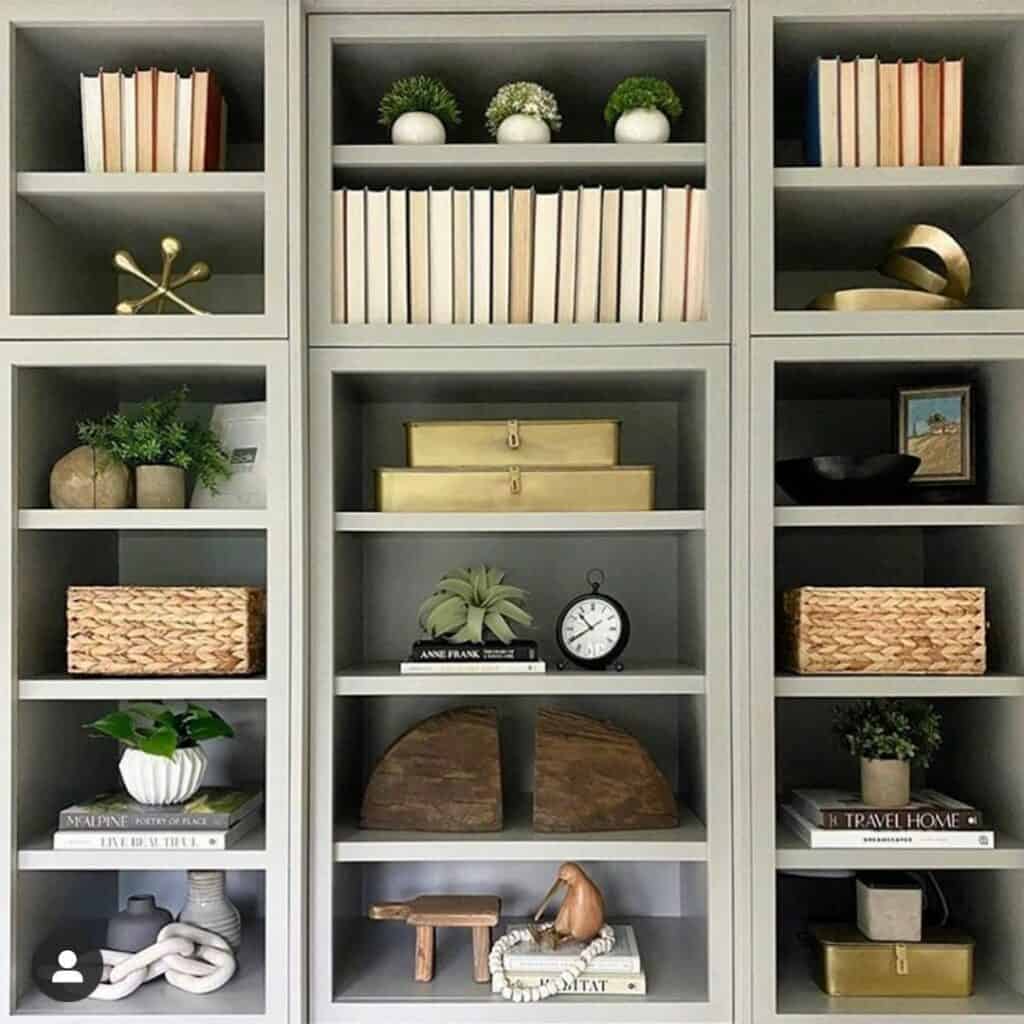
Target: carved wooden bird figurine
(581, 914)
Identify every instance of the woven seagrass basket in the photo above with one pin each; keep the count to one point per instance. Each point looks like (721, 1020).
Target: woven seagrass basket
(166, 631)
(884, 630)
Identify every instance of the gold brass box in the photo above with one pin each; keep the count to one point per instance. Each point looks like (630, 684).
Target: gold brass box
(524, 442)
(942, 964)
(517, 489)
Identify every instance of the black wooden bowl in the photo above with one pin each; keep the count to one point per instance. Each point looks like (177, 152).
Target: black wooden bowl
(846, 479)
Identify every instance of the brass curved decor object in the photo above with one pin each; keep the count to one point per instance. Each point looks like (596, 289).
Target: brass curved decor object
(166, 287)
(928, 289)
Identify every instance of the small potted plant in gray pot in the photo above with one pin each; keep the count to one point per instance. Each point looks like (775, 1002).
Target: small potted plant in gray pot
(162, 449)
(640, 108)
(889, 736)
(416, 109)
(163, 762)
(523, 112)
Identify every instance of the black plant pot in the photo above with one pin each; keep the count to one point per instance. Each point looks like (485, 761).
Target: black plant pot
(846, 479)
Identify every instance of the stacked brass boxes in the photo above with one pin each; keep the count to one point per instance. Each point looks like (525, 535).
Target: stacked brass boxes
(515, 466)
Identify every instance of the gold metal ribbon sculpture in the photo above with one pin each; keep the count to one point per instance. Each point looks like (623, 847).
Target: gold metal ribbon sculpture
(929, 289)
(165, 288)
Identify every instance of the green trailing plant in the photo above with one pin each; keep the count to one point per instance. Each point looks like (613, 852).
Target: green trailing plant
(419, 94)
(887, 729)
(155, 436)
(522, 98)
(156, 728)
(471, 605)
(643, 92)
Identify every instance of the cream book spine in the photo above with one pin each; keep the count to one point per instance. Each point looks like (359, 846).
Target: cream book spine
(867, 111)
(111, 121)
(632, 255)
(568, 239)
(183, 126)
(165, 122)
(611, 212)
(588, 256)
(419, 257)
(92, 123)
(378, 264)
(462, 257)
(697, 256)
(481, 256)
(441, 294)
(521, 277)
(339, 313)
(545, 258)
(145, 118)
(398, 255)
(910, 114)
(828, 110)
(128, 144)
(673, 254)
(650, 311)
(355, 256)
(888, 115)
(952, 112)
(931, 113)
(501, 231)
(847, 113)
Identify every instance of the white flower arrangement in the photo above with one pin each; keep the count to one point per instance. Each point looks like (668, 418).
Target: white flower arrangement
(527, 98)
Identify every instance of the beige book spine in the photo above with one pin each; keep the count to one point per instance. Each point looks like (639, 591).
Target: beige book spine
(520, 304)
(338, 311)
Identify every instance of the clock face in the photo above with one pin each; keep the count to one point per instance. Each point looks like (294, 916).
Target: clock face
(591, 629)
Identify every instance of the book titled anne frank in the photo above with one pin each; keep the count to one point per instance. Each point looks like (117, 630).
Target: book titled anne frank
(928, 811)
(445, 653)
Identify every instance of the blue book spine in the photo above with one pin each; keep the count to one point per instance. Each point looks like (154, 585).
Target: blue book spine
(812, 125)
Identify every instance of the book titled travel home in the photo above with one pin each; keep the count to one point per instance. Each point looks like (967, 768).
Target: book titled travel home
(867, 839)
(928, 810)
(438, 651)
(213, 808)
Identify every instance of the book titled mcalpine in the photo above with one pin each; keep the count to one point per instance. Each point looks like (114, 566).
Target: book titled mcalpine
(200, 839)
(928, 810)
(214, 808)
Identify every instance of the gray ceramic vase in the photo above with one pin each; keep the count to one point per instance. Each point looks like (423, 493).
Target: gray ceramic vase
(208, 907)
(137, 926)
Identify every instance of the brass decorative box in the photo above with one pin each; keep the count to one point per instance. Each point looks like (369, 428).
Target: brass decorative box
(851, 965)
(517, 489)
(524, 442)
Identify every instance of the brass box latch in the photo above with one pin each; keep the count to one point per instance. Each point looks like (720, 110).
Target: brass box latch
(513, 434)
(902, 964)
(515, 479)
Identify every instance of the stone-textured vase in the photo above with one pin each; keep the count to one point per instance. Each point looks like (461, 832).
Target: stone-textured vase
(208, 906)
(159, 487)
(884, 783)
(137, 926)
(644, 124)
(418, 128)
(519, 128)
(86, 478)
(156, 780)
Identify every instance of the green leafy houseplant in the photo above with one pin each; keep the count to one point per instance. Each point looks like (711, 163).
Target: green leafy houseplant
(641, 92)
(471, 605)
(884, 729)
(155, 436)
(419, 94)
(157, 729)
(526, 98)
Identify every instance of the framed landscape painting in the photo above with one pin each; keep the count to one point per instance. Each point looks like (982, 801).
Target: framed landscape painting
(937, 425)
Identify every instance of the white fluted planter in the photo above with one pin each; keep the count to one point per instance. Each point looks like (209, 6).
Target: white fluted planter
(644, 124)
(162, 780)
(418, 128)
(520, 128)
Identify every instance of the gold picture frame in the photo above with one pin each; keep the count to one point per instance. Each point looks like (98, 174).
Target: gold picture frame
(937, 425)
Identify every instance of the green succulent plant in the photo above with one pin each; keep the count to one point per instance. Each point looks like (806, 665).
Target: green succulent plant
(469, 605)
(887, 729)
(419, 93)
(642, 91)
(156, 728)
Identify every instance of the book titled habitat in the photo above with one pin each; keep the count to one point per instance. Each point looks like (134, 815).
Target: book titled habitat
(213, 807)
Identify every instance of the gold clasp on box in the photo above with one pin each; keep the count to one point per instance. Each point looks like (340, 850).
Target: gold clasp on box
(515, 479)
(513, 434)
(902, 965)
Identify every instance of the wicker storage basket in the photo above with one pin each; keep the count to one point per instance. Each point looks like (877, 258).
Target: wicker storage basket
(885, 630)
(166, 631)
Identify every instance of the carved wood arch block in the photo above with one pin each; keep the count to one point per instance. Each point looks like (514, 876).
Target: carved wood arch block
(592, 776)
(443, 775)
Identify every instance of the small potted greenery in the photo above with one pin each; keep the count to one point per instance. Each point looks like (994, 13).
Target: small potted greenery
(888, 736)
(161, 448)
(417, 109)
(640, 107)
(163, 762)
(523, 112)
(474, 606)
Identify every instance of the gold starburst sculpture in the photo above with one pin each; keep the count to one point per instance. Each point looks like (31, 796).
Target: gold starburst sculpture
(165, 288)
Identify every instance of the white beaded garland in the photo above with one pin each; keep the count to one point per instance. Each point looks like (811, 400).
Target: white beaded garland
(604, 943)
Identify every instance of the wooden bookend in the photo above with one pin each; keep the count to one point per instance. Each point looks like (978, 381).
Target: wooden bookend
(591, 776)
(443, 775)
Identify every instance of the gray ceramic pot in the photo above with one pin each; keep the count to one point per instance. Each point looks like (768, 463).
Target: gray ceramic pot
(159, 487)
(137, 926)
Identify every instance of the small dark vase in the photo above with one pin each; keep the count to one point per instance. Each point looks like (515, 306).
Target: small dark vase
(137, 926)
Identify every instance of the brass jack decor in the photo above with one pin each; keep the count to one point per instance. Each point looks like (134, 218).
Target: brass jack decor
(166, 287)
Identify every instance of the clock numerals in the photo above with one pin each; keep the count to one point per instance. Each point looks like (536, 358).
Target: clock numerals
(591, 629)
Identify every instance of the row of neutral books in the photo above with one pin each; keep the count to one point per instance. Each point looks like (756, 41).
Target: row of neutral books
(482, 256)
(215, 818)
(837, 819)
(436, 657)
(871, 113)
(153, 120)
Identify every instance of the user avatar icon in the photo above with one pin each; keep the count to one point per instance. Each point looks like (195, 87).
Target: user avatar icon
(67, 975)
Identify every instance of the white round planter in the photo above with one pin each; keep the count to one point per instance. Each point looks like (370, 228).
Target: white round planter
(520, 128)
(644, 124)
(162, 780)
(418, 128)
